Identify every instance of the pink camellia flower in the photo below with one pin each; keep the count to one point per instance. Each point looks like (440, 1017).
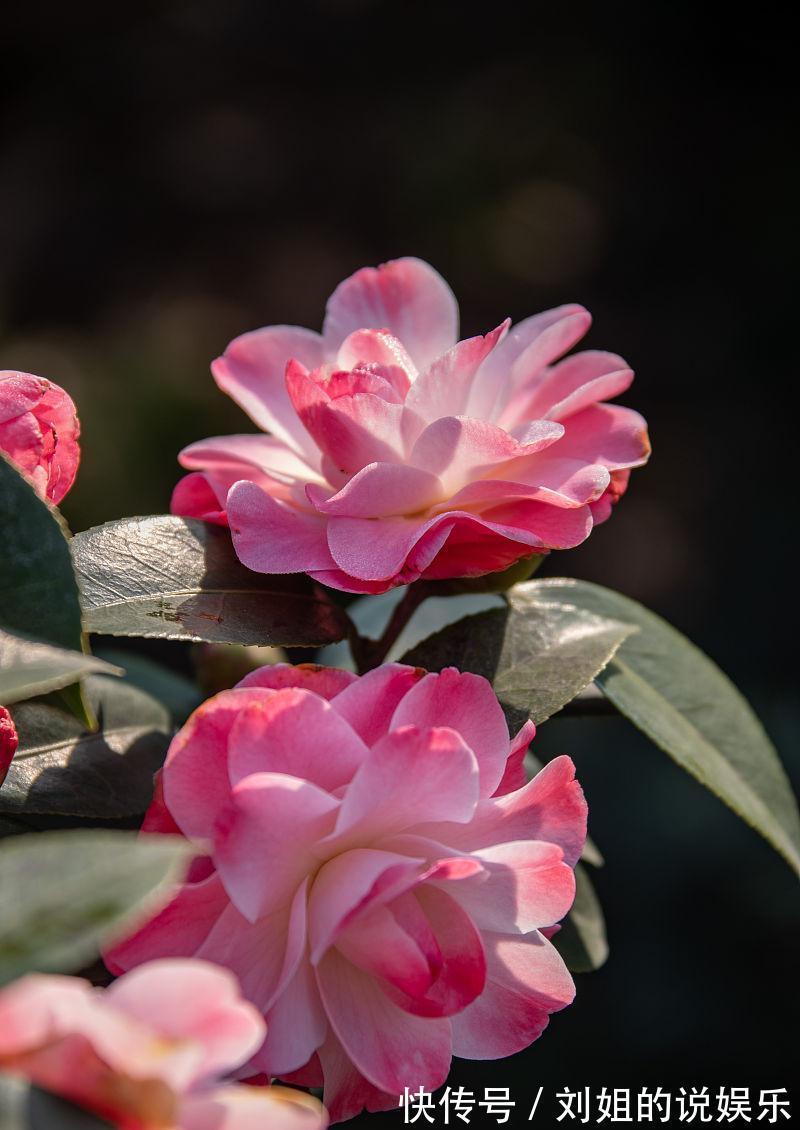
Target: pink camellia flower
(39, 431)
(378, 873)
(147, 1052)
(9, 740)
(396, 451)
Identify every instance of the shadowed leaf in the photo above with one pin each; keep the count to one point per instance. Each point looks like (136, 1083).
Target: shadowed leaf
(60, 769)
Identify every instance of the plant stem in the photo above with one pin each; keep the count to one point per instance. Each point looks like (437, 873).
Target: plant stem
(371, 653)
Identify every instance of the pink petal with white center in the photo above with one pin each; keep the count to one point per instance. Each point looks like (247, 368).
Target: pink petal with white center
(467, 701)
(541, 478)
(370, 702)
(192, 1000)
(405, 296)
(526, 981)
(525, 885)
(390, 1047)
(252, 369)
(547, 335)
(252, 1108)
(274, 817)
(264, 739)
(327, 682)
(195, 777)
(607, 434)
(376, 347)
(551, 807)
(443, 389)
(573, 384)
(179, 930)
(351, 430)
(347, 1092)
(272, 538)
(380, 491)
(459, 449)
(353, 883)
(514, 774)
(411, 775)
(266, 454)
(195, 496)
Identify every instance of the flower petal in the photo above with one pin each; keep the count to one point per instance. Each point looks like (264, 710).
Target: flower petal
(266, 738)
(466, 701)
(251, 371)
(551, 807)
(272, 538)
(192, 1000)
(239, 1107)
(405, 296)
(274, 817)
(411, 775)
(443, 389)
(390, 1047)
(526, 981)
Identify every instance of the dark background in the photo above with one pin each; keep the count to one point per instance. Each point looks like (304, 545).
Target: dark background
(176, 173)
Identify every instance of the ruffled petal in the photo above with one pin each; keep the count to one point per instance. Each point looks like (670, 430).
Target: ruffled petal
(251, 371)
(467, 702)
(406, 297)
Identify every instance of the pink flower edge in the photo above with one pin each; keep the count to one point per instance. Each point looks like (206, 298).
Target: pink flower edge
(376, 871)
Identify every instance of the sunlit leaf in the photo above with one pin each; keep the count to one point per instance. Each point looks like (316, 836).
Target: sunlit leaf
(537, 653)
(675, 694)
(176, 578)
(29, 667)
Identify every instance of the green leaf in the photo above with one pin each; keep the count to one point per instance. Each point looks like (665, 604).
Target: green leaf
(175, 691)
(581, 941)
(65, 893)
(176, 578)
(60, 769)
(689, 708)
(538, 654)
(38, 593)
(29, 667)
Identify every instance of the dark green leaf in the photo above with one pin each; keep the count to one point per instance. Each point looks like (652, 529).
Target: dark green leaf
(581, 941)
(177, 692)
(29, 667)
(688, 707)
(38, 591)
(65, 893)
(175, 578)
(538, 654)
(38, 594)
(61, 770)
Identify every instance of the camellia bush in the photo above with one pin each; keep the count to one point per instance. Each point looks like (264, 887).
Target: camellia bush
(331, 876)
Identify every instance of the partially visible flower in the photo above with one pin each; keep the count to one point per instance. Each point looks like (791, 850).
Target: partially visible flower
(8, 741)
(148, 1052)
(379, 874)
(397, 452)
(39, 431)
